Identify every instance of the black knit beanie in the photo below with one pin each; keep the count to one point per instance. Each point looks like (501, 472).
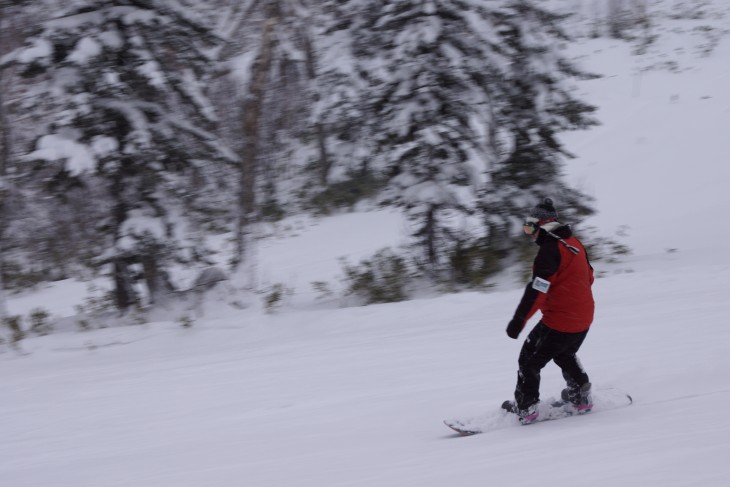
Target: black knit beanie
(545, 211)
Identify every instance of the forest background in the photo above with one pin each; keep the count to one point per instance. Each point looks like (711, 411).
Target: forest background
(150, 141)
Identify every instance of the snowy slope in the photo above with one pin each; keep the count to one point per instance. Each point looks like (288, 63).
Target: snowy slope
(356, 396)
(658, 164)
(319, 396)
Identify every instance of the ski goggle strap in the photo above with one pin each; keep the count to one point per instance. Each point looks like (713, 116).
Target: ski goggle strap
(575, 250)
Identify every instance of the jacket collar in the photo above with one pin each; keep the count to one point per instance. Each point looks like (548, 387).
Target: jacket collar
(559, 229)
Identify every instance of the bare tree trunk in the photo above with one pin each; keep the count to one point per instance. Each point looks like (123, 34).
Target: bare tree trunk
(252, 110)
(430, 237)
(616, 18)
(325, 163)
(123, 287)
(156, 279)
(4, 161)
(124, 293)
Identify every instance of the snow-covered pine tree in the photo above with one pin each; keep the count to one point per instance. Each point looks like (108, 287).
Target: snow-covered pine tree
(532, 102)
(341, 108)
(424, 64)
(464, 100)
(11, 24)
(127, 82)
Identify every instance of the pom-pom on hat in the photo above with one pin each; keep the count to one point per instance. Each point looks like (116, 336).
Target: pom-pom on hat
(545, 211)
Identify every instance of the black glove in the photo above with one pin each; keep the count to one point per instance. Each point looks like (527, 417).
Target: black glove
(515, 327)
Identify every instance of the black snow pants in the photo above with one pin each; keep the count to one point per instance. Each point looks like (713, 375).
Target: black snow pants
(542, 345)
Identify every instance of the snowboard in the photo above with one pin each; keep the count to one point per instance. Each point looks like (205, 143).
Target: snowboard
(551, 409)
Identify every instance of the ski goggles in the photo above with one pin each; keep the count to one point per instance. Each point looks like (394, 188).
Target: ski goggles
(530, 225)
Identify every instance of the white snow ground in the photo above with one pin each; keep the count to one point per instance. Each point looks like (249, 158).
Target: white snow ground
(318, 396)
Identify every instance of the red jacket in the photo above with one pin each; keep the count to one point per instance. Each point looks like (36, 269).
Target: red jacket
(561, 284)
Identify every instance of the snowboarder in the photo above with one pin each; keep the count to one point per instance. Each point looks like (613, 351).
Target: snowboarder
(561, 289)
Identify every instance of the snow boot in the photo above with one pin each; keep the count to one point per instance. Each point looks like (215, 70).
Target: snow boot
(579, 397)
(526, 416)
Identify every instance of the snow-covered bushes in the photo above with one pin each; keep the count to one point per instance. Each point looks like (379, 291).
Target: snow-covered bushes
(471, 265)
(384, 278)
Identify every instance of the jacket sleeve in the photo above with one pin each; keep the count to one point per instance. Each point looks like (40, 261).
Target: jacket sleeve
(544, 268)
